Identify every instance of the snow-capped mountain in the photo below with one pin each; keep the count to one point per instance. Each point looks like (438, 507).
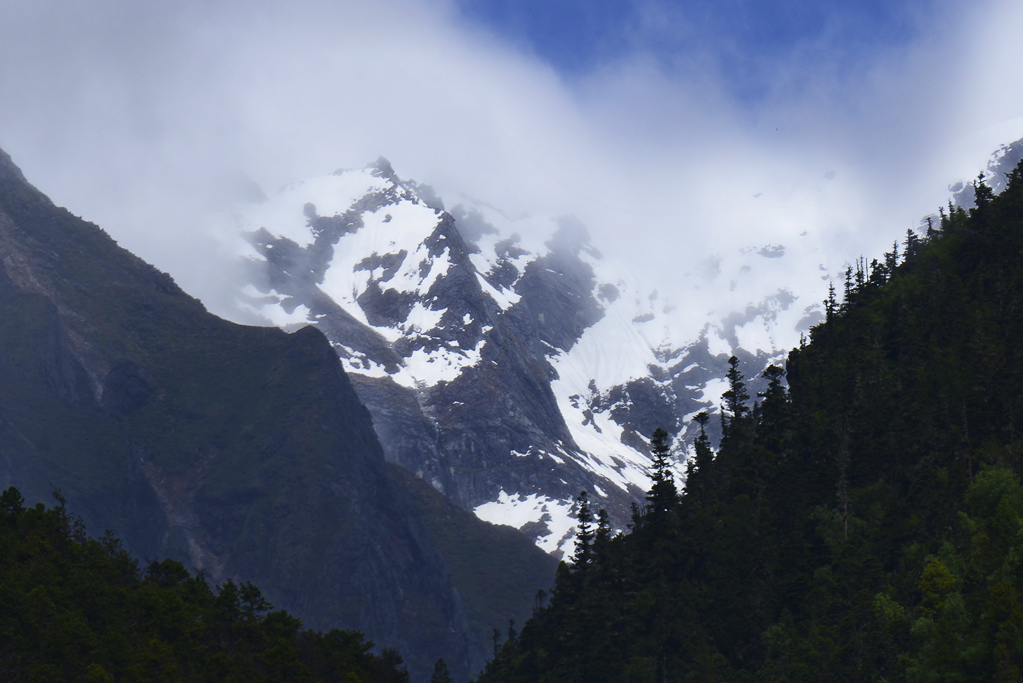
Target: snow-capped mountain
(509, 370)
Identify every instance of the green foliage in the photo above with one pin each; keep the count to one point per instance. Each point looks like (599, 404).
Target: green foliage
(441, 673)
(79, 609)
(663, 494)
(865, 525)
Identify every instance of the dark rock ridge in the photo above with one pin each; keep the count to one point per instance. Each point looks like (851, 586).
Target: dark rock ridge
(241, 451)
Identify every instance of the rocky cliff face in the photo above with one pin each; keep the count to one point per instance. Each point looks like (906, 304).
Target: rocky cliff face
(241, 451)
(507, 370)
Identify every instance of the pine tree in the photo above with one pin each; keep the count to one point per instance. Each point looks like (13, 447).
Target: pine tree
(441, 673)
(735, 409)
(12, 502)
(496, 636)
(663, 494)
(878, 273)
(982, 196)
(913, 243)
(584, 533)
(891, 260)
(602, 538)
(847, 295)
(774, 397)
(830, 305)
(698, 471)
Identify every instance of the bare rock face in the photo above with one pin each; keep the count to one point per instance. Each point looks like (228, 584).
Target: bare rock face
(241, 451)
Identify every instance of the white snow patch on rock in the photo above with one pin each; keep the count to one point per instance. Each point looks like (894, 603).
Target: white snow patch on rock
(504, 298)
(421, 319)
(713, 390)
(425, 368)
(517, 511)
(717, 345)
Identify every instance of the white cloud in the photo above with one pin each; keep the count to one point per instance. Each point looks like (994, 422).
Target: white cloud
(142, 116)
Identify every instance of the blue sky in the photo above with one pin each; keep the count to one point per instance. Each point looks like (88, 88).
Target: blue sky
(740, 36)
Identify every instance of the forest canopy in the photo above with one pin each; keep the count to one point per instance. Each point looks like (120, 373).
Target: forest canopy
(77, 608)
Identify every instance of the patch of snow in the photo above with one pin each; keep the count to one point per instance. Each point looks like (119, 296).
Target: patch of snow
(421, 319)
(480, 262)
(713, 390)
(504, 298)
(517, 511)
(276, 314)
(429, 368)
(610, 352)
(755, 336)
(716, 344)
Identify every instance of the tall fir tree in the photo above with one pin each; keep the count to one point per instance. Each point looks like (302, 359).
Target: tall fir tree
(663, 494)
(441, 673)
(584, 533)
(734, 409)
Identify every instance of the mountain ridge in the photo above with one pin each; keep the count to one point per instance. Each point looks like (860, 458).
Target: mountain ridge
(483, 355)
(241, 451)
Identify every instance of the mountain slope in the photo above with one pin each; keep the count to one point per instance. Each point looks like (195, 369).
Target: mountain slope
(510, 373)
(240, 451)
(865, 525)
(497, 570)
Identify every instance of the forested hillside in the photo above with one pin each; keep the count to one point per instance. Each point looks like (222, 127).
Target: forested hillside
(863, 524)
(80, 609)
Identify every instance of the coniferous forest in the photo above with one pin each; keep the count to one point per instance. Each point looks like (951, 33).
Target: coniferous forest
(862, 523)
(75, 608)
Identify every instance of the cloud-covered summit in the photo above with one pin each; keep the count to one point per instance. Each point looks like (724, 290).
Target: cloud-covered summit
(145, 118)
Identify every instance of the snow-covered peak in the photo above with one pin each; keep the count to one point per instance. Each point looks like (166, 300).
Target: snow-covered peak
(362, 245)
(287, 214)
(505, 359)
